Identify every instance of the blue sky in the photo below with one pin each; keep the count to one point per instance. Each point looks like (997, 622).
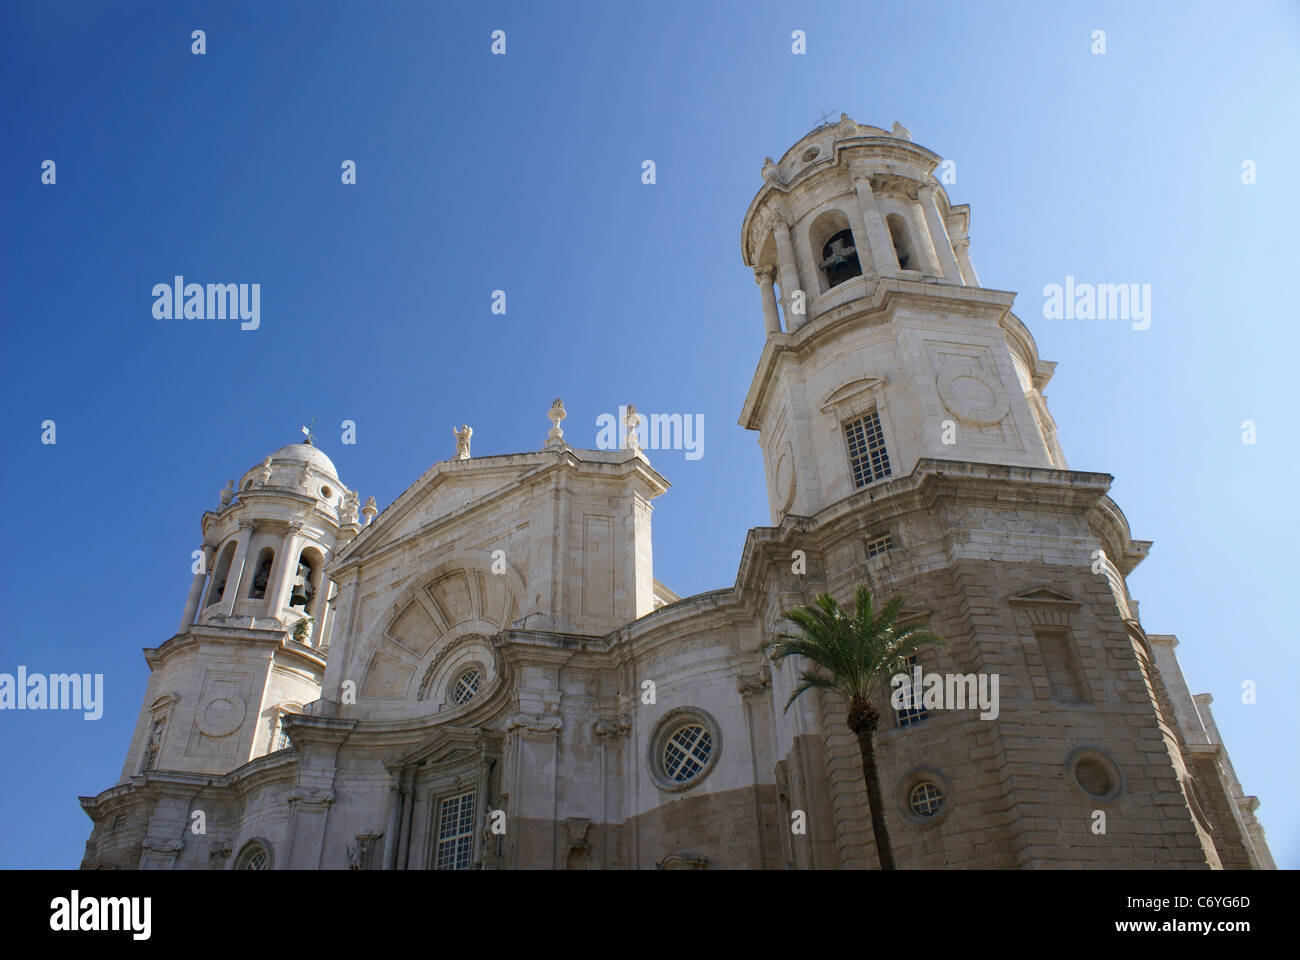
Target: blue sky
(522, 173)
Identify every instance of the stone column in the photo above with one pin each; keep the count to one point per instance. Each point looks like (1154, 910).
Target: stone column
(317, 609)
(923, 247)
(881, 245)
(765, 278)
(939, 234)
(397, 800)
(236, 571)
(968, 274)
(196, 590)
(288, 569)
(789, 274)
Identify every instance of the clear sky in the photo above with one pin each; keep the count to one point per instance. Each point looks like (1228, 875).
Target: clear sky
(523, 173)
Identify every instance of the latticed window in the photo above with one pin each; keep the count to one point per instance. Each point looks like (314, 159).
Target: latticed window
(867, 455)
(466, 685)
(687, 752)
(878, 545)
(254, 857)
(926, 799)
(455, 833)
(282, 738)
(912, 711)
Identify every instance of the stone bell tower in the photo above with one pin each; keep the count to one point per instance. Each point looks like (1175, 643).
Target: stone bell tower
(884, 348)
(253, 637)
(907, 446)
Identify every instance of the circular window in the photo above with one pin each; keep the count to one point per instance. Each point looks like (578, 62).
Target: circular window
(926, 799)
(1095, 774)
(684, 749)
(812, 153)
(921, 796)
(254, 857)
(325, 492)
(466, 686)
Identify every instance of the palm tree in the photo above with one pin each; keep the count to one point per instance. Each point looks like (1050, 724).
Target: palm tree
(854, 652)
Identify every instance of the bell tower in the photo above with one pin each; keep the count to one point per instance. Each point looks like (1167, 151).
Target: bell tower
(881, 346)
(253, 637)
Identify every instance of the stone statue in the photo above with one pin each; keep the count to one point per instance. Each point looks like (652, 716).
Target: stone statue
(462, 441)
(847, 127)
(769, 170)
(264, 474)
(348, 512)
(304, 478)
(631, 420)
(556, 414)
(901, 131)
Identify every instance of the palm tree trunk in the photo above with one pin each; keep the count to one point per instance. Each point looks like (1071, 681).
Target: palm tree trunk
(862, 721)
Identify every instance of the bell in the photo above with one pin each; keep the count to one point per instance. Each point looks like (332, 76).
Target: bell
(301, 593)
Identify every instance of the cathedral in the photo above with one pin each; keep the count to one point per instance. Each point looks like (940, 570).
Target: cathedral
(488, 673)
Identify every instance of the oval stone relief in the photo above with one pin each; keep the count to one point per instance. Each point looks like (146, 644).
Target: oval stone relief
(223, 715)
(783, 478)
(968, 394)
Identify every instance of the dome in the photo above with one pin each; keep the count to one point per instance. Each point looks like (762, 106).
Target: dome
(309, 453)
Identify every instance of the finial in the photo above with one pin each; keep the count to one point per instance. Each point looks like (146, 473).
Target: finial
(556, 414)
(311, 437)
(369, 510)
(462, 441)
(769, 171)
(632, 420)
(228, 492)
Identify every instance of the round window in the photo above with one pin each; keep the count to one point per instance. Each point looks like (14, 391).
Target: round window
(926, 799)
(325, 492)
(687, 752)
(811, 154)
(254, 857)
(466, 686)
(1095, 774)
(684, 749)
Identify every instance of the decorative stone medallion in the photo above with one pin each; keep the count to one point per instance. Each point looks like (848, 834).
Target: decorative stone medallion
(969, 395)
(222, 715)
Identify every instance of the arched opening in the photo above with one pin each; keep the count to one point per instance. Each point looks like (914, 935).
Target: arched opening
(220, 574)
(834, 250)
(261, 574)
(256, 855)
(902, 242)
(306, 581)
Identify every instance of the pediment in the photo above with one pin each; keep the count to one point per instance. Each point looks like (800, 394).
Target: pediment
(1042, 596)
(448, 744)
(446, 489)
(853, 394)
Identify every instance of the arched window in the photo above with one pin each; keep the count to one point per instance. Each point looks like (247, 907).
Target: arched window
(307, 579)
(261, 574)
(902, 242)
(221, 573)
(256, 855)
(833, 249)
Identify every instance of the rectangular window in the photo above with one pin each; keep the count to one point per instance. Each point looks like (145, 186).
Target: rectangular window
(455, 833)
(878, 545)
(912, 711)
(868, 458)
(155, 744)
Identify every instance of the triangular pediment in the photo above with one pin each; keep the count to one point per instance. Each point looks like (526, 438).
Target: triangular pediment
(445, 490)
(1043, 595)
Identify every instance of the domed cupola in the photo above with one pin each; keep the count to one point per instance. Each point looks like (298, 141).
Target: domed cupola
(268, 545)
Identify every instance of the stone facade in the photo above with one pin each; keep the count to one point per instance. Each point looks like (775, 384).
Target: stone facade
(487, 673)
